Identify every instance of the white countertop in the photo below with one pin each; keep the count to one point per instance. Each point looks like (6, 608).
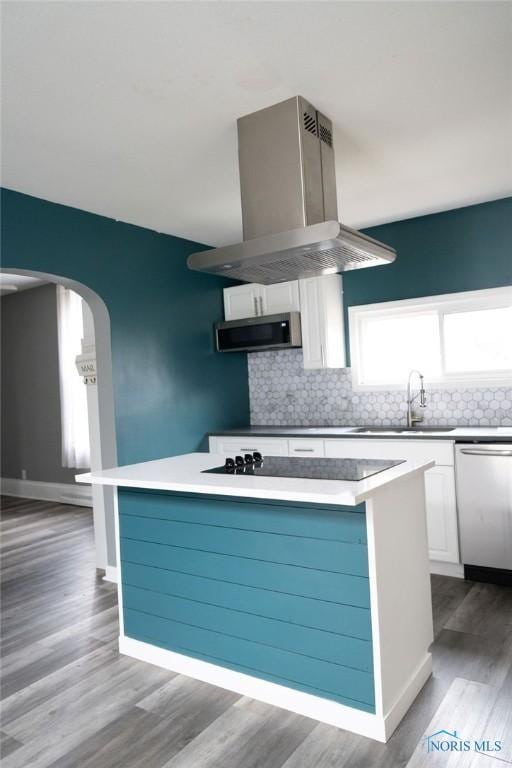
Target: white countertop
(460, 434)
(183, 474)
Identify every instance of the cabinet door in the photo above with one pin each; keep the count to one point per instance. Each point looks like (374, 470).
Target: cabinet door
(441, 514)
(323, 338)
(280, 297)
(331, 289)
(312, 328)
(440, 501)
(242, 301)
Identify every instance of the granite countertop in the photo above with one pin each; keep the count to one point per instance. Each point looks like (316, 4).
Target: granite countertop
(185, 474)
(458, 434)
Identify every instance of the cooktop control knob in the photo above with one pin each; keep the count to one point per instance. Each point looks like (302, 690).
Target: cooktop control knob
(257, 456)
(248, 458)
(239, 461)
(230, 463)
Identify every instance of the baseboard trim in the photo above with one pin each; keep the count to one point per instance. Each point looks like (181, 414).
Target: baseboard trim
(407, 695)
(447, 569)
(63, 493)
(110, 574)
(372, 726)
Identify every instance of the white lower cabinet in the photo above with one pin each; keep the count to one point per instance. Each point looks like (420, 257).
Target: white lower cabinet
(441, 506)
(441, 514)
(384, 448)
(440, 496)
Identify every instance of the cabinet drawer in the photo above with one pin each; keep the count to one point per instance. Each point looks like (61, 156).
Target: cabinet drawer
(413, 450)
(306, 447)
(267, 446)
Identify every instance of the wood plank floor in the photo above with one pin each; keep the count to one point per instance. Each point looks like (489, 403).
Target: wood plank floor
(70, 700)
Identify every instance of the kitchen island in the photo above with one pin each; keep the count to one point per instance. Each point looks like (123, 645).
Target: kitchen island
(308, 594)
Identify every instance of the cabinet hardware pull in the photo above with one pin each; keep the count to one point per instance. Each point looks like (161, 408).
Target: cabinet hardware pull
(255, 305)
(303, 450)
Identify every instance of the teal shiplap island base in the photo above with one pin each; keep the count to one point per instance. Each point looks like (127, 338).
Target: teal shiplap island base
(312, 595)
(254, 586)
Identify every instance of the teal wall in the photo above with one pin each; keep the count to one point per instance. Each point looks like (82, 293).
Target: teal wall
(170, 387)
(465, 249)
(460, 250)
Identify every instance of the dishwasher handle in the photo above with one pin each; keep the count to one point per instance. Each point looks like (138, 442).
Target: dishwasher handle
(488, 452)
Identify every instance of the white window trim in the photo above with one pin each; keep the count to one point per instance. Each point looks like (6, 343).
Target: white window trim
(489, 298)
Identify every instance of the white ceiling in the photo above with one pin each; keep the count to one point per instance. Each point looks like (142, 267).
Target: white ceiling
(14, 283)
(129, 109)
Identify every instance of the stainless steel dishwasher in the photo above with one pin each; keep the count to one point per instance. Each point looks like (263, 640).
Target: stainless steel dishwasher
(484, 502)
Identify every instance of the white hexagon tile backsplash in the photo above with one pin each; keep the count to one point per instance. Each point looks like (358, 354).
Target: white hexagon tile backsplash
(283, 393)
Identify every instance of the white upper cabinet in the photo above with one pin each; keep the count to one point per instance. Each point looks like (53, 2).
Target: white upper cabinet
(243, 301)
(311, 322)
(321, 306)
(281, 297)
(320, 303)
(252, 299)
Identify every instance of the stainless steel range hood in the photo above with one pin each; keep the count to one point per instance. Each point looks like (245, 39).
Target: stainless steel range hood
(289, 205)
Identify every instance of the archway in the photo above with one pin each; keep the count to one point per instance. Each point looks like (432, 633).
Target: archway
(101, 416)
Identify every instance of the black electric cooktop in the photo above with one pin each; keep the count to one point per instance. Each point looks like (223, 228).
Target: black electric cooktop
(257, 465)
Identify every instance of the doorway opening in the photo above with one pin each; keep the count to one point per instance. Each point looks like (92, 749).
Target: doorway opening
(94, 364)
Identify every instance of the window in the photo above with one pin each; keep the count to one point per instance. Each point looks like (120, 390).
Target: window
(454, 340)
(73, 395)
(477, 340)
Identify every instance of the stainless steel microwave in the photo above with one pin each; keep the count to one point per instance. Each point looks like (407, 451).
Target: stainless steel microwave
(255, 334)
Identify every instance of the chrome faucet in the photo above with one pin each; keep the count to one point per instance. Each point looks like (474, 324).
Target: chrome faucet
(412, 417)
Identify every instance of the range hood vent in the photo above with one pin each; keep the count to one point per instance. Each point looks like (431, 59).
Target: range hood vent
(289, 204)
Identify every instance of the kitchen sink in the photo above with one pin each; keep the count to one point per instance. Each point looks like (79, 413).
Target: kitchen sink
(400, 430)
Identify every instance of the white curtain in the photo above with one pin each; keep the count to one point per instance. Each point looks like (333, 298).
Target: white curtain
(73, 395)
